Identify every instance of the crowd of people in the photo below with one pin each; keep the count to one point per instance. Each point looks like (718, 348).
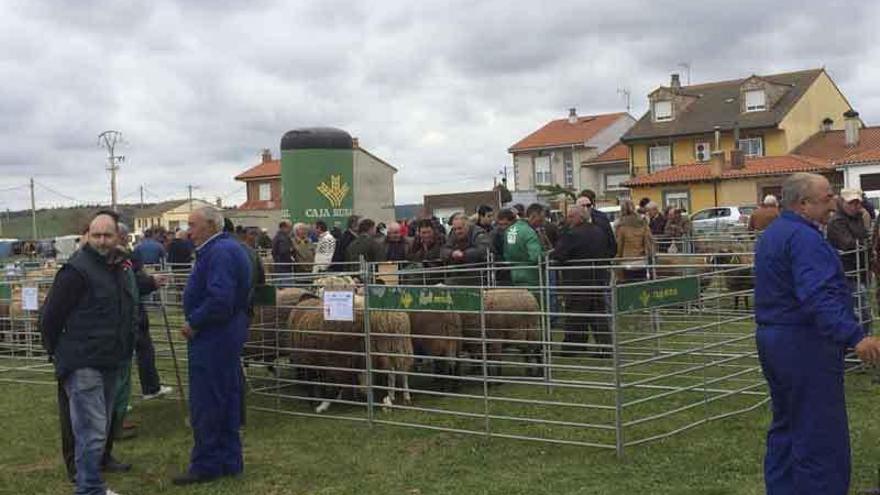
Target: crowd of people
(94, 324)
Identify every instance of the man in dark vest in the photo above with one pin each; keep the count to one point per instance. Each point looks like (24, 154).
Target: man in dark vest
(88, 325)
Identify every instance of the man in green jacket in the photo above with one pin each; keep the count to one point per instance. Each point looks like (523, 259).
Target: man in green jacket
(523, 250)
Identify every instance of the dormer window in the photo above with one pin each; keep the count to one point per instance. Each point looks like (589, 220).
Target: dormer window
(662, 111)
(756, 100)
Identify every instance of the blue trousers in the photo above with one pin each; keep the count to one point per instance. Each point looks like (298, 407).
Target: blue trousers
(215, 384)
(91, 393)
(808, 441)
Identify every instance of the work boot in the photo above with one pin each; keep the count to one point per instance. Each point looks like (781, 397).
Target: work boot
(111, 465)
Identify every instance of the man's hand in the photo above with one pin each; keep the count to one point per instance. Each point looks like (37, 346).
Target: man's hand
(161, 280)
(458, 255)
(868, 350)
(187, 331)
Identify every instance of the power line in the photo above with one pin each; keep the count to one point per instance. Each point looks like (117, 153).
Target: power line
(53, 191)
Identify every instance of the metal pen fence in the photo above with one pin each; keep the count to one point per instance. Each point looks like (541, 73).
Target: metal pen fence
(608, 353)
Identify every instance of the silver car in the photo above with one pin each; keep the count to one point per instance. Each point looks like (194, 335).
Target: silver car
(721, 219)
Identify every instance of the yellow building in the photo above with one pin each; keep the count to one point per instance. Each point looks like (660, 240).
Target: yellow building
(759, 116)
(170, 215)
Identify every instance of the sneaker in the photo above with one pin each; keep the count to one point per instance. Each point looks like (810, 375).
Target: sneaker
(163, 390)
(110, 492)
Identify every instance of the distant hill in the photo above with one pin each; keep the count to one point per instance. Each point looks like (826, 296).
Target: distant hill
(52, 222)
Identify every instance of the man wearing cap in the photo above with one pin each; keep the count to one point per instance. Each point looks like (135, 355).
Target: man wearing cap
(848, 234)
(761, 218)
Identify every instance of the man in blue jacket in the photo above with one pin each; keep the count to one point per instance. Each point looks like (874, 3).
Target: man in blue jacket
(805, 318)
(215, 304)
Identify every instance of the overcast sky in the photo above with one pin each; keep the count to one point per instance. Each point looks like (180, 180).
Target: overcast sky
(438, 89)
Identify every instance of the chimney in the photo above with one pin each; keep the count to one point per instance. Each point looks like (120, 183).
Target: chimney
(851, 127)
(737, 159)
(572, 116)
(675, 82)
(827, 124)
(717, 163)
(355, 144)
(267, 155)
(717, 137)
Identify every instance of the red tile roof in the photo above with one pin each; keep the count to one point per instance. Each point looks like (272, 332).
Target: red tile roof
(271, 168)
(754, 167)
(832, 146)
(260, 205)
(561, 132)
(617, 153)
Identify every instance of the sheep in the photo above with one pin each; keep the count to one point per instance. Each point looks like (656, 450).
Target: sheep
(501, 325)
(266, 323)
(428, 330)
(739, 279)
(343, 342)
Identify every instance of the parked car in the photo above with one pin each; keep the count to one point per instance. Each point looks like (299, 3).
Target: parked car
(721, 219)
(613, 212)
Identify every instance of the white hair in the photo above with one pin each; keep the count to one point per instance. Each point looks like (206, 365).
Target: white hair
(211, 215)
(300, 226)
(651, 205)
(796, 188)
(770, 200)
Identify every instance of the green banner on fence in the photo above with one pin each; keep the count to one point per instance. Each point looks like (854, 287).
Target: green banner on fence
(424, 298)
(659, 293)
(5, 292)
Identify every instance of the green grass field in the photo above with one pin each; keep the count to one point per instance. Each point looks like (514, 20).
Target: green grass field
(293, 455)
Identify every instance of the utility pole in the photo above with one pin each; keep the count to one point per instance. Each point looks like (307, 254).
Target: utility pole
(109, 140)
(142, 196)
(33, 211)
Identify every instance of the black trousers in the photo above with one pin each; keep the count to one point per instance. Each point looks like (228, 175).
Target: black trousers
(577, 328)
(145, 354)
(68, 442)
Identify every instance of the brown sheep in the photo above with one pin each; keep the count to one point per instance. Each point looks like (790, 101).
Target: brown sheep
(267, 324)
(318, 345)
(739, 279)
(501, 325)
(428, 330)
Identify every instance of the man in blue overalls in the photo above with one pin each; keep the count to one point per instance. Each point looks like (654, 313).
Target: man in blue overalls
(804, 312)
(215, 303)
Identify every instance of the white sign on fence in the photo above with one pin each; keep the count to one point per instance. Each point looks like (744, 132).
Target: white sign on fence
(338, 305)
(29, 299)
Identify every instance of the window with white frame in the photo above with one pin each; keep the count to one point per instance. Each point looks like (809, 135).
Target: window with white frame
(678, 199)
(265, 192)
(662, 110)
(752, 146)
(659, 157)
(568, 161)
(702, 151)
(613, 181)
(542, 171)
(756, 100)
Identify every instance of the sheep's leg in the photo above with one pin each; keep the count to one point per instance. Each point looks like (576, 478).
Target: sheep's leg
(323, 406)
(407, 398)
(388, 401)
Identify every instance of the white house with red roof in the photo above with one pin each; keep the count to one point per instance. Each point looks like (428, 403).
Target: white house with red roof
(564, 152)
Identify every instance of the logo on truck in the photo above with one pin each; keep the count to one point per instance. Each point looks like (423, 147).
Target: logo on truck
(335, 192)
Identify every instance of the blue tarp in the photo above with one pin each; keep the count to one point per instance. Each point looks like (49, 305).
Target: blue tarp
(6, 249)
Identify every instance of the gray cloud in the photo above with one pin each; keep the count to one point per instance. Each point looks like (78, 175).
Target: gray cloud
(439, 89)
